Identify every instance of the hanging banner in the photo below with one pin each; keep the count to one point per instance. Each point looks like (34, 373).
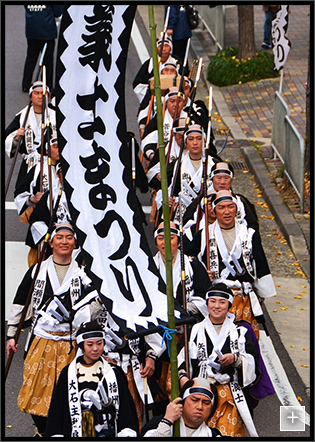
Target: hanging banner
(91, 123)
(280, 43)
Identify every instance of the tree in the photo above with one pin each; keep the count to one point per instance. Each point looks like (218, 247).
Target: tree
(246, 34)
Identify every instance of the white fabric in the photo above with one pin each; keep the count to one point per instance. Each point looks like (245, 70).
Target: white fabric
(110, 260)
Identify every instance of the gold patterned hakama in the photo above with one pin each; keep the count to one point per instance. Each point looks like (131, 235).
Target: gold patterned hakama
(42, 367)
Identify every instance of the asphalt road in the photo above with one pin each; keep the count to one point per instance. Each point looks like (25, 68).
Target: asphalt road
(17, 424)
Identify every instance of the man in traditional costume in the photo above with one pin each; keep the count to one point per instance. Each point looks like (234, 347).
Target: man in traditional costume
(40, 217)
(31, 134)
(197, 283)
(62, 299)
(149, 143)
(194, 407)
(91, 398)
(153, 174)
(141, 82)
(222, 175)
(168, 72)
(27, 194)
(237, 259)
(188, 180)
(223, 353)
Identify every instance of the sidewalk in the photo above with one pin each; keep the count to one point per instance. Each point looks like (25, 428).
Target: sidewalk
(247, 110)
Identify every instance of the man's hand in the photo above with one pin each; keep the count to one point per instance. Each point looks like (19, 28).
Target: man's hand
(11, 345)
(148, 369)
(227, 359)
(174, 410)
(20, 132)
(34, 199)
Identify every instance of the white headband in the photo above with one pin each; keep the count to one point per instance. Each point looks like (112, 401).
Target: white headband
(219, 294)
(61, 228)
(90, 335)
(221, 171)
(223, 198)
(161, 230)
(173, 94)
(194, 131)
(199, 390)
(166, 41)
(36, 85)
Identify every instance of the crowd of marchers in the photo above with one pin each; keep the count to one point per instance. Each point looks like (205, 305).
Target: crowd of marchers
(80, 378)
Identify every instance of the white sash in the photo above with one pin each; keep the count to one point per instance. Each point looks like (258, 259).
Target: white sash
(237, 345)
(74, 399)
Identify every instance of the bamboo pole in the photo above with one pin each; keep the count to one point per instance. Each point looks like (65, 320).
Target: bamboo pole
(166, 217)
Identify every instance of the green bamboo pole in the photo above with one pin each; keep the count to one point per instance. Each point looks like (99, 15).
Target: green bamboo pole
(166, 216)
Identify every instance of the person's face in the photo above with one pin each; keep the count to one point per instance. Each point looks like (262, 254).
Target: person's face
(186, 90)
(196, 410)
(93, 349)
(161, 245)
(194, 145)
(37, 97)
(222, 181)
(226, 212)
(54, 152)
(168, 70)
(217, 308)
(171, 105)
(63, 244)
(179, 136)
(165, 52)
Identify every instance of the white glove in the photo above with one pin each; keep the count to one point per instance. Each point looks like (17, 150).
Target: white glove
(91, 395)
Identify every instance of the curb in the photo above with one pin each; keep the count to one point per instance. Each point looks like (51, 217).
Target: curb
(284, 218)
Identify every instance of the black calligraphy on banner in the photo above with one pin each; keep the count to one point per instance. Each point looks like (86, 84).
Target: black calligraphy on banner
(99, 39)
(280, 43)
(91, 64)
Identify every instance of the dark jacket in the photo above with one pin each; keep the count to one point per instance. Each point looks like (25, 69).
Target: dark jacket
(40, 21)
(178, 22)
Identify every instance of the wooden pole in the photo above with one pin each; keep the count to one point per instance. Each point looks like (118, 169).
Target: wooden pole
(166, 217)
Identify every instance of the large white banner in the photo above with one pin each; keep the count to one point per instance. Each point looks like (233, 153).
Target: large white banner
(280, 43)
(92, 55)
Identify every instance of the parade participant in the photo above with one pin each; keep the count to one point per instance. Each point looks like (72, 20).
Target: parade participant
(149, 142)
(91, 398)
(153, 174)
(224, 354)
(194, 407)
(222, 174)
(237, 259)
(194, 221)
(168, 68)
(197, 282)
(40, 217)
(188, 180)
(196, 285)
(141, 82)
(27, 194)
(31, 133)
(62, 298)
